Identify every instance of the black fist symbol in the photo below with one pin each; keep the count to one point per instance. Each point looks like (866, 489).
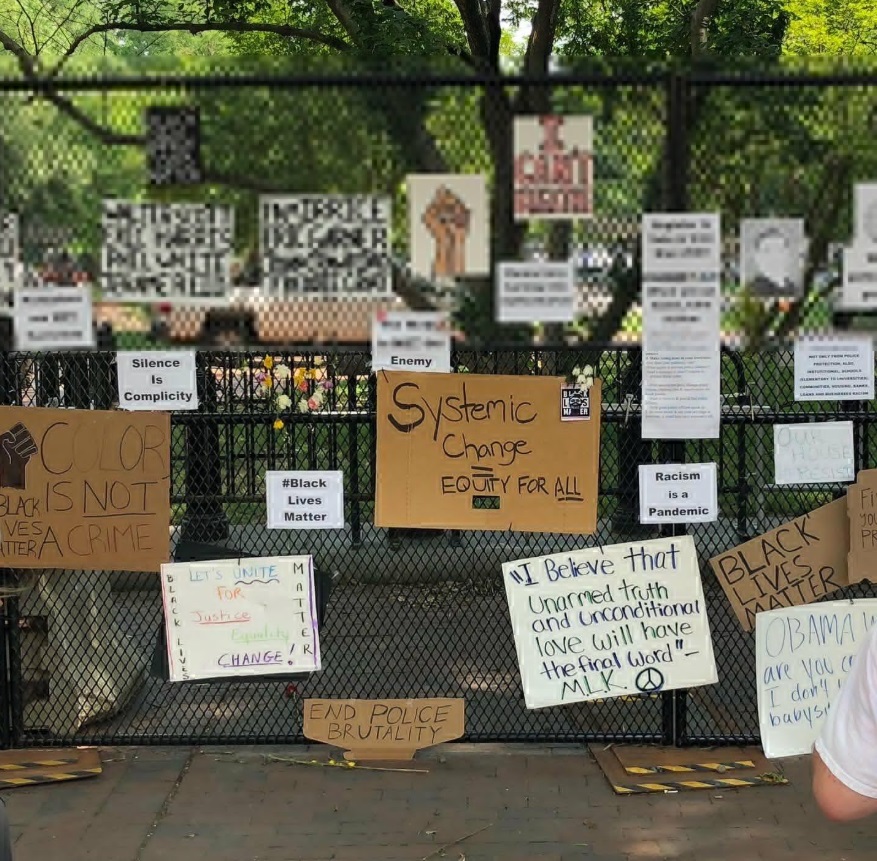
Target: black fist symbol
(17, 447)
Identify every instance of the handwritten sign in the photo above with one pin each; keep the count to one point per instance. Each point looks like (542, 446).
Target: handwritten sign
(862, 514)
(477, 451)
(250, 617)
(389, 730)
(84, 489)
(802, 656)
(610, 621)
(796, 563)
(814, 452)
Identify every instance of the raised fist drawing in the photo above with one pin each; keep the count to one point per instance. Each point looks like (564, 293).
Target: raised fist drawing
(17, 447)
(447, 219)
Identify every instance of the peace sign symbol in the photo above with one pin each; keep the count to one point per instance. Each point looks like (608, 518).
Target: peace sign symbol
(649, 680)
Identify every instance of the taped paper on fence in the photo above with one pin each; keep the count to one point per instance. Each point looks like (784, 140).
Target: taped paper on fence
(610, 621)
(478, 451)
(802, 656)
(384, 729)
(862, 514)
(796, 563)
(84, 490)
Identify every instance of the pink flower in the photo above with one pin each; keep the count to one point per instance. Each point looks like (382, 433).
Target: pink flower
(303, 386)
(313, 404)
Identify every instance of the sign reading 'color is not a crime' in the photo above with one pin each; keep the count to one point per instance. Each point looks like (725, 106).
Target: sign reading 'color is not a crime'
(84, 489)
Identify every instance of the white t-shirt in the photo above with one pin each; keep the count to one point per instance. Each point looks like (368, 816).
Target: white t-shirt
(848, 741)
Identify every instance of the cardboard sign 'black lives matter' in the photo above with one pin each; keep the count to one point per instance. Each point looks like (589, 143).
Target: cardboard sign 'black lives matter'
(84, 490)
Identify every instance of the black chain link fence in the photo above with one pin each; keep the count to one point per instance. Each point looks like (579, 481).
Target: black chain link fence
(412, 613)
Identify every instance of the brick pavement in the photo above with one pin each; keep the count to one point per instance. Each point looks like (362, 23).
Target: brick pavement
(550, 804)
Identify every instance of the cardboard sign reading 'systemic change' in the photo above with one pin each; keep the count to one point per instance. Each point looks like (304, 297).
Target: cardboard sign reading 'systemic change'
(84, 490)
(478, 451)
(796, 563)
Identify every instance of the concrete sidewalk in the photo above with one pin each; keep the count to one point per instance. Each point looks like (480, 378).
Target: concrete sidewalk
(508, 802)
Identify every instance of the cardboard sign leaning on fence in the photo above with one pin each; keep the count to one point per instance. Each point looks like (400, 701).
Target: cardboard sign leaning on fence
(862, 514)
(796, 563)
(84, 490)
(384, 730)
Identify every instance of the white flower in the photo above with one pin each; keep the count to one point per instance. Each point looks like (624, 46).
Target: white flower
(588, 371)
(318, 396)
(284, 402)
(281, 372)
(303, 405)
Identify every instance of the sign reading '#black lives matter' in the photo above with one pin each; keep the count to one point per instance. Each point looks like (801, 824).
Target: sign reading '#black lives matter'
(84, 489)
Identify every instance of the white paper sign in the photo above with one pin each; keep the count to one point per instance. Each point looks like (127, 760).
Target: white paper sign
(305, 500)
(156, 380)
(678, 493)
(167, 252)
(865, 213)
(535, 292)
(834, 368)
(49, 317)
(813, 453)
(859, 286)
(240, 617)
(681, 311)
(610, 621)
(771, 258)
(802, 656)
(10, 265)
(411, 341)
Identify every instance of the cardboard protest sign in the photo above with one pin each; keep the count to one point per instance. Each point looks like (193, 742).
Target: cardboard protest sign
(862, 515)
(610, 621)
(389, 730)
(802, 656)
(84, 490)
(477, 451)
(796, 563)
(229, 617)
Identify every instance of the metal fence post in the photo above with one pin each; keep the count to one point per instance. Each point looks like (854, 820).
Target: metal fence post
(205, 519)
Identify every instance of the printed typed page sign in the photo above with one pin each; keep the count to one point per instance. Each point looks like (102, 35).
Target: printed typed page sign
(476, 451)
(84, 490)
(610, 621)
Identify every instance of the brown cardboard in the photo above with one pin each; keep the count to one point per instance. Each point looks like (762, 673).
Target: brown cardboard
(862, 514)
(84, 489)
(796, 563)
(387, 730)
(540, 473)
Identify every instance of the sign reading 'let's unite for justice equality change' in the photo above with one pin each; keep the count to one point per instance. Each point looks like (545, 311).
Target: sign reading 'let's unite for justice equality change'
(84, 490)
(475, 451)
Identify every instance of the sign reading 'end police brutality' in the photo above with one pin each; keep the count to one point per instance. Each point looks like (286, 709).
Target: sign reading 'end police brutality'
(157, 381)
(305, 500)
(678, 493)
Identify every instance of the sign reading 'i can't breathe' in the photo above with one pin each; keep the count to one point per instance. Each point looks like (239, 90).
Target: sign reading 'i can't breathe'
(678, 493)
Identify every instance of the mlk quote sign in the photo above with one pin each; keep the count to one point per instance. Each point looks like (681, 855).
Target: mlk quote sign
(477, 451)
(84, 489)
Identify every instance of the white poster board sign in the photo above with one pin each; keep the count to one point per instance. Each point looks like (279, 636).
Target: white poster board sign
(609, 621)
(834, 368)
(411, 341)
(859, 285)
(678, 493)
(802, 656)
(535, 292)
(49, 317)
(167, 252)
(240, 617)
(771, 257)
(814, 452)
(865, 214)
(309, 499)
(154, 380)
(681, 325)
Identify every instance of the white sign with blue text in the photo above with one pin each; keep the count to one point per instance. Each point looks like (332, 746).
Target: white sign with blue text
(802, 656)
(678, 493)
(240, 617)
(610, 621)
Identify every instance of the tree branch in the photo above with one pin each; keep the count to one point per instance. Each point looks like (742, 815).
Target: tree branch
(703, 11)
(542, 34)
(476, 30)
(344, 15)
(25, 61)
(104, 135)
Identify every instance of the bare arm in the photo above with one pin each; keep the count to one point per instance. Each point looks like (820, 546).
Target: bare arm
(836, 800)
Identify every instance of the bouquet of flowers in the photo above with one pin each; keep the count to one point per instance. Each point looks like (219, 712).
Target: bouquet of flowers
(301, 389)
(582, 377)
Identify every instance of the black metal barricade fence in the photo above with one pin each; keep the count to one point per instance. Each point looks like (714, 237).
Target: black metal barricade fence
(412, 613)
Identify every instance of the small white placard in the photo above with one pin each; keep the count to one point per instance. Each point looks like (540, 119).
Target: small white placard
(814, 453)
(678, 493)
(834, 368)
(53, 318)
(859, 287)
(535, 292)
(305, 500)
(865, 213)
(157, 380)
(411, 341)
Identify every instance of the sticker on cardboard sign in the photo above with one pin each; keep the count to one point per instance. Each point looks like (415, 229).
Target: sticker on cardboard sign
(575, 404)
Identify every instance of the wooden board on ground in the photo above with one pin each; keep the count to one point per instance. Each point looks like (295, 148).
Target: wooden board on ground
(618, 765)
(30, 767)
